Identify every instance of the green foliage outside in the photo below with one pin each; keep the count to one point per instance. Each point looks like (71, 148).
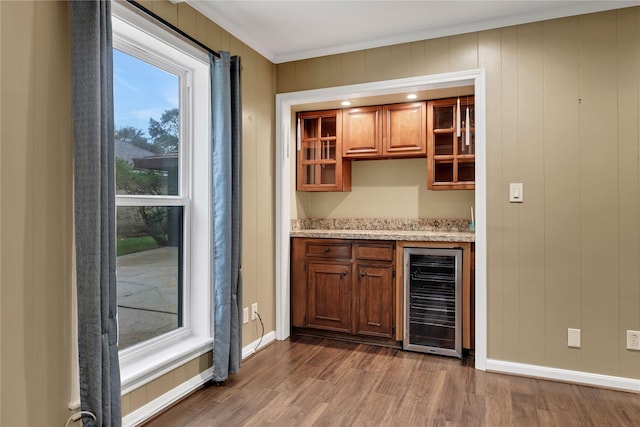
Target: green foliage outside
(164, 133)
(131, 245)
(135, 137)
(164, 139)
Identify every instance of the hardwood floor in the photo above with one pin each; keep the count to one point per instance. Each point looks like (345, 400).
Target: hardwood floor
(315, 382)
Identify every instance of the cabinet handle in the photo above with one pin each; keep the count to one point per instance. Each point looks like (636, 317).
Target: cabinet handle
(327, 250)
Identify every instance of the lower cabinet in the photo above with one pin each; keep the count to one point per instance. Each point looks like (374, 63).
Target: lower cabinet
(343, 288)
(329, 296)
(374, 300)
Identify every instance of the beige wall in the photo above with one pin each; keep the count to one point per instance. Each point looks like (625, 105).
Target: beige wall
(36, 200)
(36, 223)
(562, 117)
(385, 189)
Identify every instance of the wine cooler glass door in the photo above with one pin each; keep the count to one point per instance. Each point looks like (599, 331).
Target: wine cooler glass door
(432, 311)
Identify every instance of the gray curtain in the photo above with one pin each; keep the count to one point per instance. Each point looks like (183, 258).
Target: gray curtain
(92, 59)
(226, 126)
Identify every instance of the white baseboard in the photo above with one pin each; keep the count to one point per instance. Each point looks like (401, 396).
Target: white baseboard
(152, 408)
(250, 349)
(564, 375)
(145, 412)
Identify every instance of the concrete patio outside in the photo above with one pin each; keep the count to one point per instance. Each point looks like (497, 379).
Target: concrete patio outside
(147, 294)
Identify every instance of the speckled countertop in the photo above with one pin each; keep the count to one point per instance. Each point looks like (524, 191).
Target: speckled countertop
(423, 229)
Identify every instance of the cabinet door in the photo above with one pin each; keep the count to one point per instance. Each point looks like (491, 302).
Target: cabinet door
(329, 296)
(405, 130)
(451, 144)
(362, 132)
(374, 300)
(319, 144)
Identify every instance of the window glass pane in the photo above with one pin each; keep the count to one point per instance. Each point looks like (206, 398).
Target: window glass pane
(149, 272)
(309, 128)
(444, 117)
(443, 144)
(328, 125)
(146, 115)
(328, 174)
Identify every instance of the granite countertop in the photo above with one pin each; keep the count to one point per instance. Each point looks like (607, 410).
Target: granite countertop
(424, 229)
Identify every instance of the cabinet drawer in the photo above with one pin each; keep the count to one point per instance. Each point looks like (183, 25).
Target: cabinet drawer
(374, 251)
(328, 250)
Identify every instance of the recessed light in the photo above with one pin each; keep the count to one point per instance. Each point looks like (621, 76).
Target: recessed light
(346, 103)
(412, 96)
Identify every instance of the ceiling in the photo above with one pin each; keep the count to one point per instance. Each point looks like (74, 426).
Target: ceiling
(285, 31)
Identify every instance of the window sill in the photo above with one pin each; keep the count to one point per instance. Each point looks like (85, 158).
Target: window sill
(144, 370)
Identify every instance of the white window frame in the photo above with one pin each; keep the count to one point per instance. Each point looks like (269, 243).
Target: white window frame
(136, 35)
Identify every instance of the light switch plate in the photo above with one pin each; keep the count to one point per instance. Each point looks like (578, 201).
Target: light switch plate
(516, 192)
(245, 315)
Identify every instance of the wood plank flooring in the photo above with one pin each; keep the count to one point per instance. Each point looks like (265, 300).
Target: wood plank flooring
(316, 382)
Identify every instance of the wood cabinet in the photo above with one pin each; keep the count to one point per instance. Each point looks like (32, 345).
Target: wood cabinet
(451, 153)
(362, 132)
(405, 129)
(329, 296)
(344, 287)
(329, 140)
(319, 159)
(396, 130)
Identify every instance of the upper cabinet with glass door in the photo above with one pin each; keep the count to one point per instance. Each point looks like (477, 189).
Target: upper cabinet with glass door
(451, 144)
(320, 164)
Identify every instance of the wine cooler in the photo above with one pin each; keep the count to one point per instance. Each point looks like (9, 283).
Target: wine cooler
(433, 301)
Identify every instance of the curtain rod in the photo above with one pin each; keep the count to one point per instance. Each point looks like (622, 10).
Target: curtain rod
(172, 27)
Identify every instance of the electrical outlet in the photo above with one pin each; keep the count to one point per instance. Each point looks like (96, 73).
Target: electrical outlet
(245, 315)
(633, 340)
(573, 338)
(254, 310)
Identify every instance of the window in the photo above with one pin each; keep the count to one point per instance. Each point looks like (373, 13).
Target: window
(161, 110)
(151, 198)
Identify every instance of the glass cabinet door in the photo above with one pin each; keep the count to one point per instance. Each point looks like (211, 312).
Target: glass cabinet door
(319, 157)
(451, 141)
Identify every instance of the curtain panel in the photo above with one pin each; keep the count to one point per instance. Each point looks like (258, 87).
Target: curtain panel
(94, 192)
(226, 127)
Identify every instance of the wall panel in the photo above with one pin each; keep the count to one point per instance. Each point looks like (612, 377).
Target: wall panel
(599, 192)
(562, 202)
(531, 172)
(250, 204)
(490, 58)
(437, 55)
(509, 329)
(400, 66)
(463, 52)
(418, 60)
(36, 230)
(628, 57)
(378, 64)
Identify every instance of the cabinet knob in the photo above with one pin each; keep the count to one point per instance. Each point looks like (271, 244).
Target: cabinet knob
(362, 274)
(327, 250)
(344, 273)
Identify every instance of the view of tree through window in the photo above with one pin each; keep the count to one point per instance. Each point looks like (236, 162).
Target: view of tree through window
(149, 221)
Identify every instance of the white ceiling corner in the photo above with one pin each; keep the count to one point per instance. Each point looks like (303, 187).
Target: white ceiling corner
(285, 31)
